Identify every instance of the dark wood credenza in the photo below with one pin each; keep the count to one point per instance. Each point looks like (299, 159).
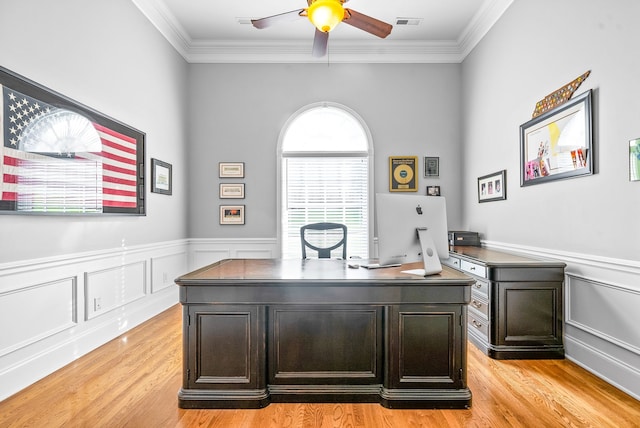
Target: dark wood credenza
(268, 330)
(516, 308)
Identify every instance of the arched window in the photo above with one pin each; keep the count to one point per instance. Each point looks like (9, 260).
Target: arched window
(325, 155)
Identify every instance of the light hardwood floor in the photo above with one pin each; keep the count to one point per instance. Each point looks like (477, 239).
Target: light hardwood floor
(133, 381)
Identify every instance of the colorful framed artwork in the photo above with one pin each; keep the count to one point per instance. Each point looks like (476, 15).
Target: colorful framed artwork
(61, 157)
(402, 173)
(161, 177)
(634, 160)
(231, 214)
(231, 170)
(558, 144)
(492, 187)
(431, 166)
(232, 191)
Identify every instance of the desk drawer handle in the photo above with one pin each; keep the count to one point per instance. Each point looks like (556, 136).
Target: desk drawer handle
(477, 285)
(476, 324)
(476, 304)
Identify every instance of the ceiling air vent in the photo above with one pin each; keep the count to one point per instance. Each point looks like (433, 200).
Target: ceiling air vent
(408, 21)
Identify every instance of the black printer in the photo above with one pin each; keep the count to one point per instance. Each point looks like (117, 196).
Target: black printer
(460, 237)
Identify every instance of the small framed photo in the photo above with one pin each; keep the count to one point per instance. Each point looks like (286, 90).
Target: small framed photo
(403, 175)
(231, 214)
(431, 166)
(231, 170)
(433, 190)
(232, 191)
(161, 177)
(492, 187)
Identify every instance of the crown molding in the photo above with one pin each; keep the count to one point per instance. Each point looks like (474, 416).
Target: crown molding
(340, 51)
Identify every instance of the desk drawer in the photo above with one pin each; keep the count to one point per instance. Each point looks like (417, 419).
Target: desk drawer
(478, 324)
(454, 262)
(473, 268)
(481, 287)
(479, 304)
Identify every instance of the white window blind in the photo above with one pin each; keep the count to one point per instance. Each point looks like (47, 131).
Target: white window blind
(325, 189)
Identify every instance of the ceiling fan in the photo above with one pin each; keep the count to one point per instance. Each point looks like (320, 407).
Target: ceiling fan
(325, 15)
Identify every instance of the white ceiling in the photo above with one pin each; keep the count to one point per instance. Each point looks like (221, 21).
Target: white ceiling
(211, 31)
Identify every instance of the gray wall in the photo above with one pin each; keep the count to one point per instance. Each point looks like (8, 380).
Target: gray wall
(238, 110)
(535, 48)
(106, 55)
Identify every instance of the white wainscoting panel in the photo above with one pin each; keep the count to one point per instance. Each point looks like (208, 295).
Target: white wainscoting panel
(32, 313)
(113, 287)
(165, 269)
(604, 310)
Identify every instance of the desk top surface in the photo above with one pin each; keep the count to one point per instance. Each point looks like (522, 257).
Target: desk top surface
(246, 271)
(500, 258)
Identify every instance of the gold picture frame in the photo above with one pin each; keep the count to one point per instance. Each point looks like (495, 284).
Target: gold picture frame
(403, 175)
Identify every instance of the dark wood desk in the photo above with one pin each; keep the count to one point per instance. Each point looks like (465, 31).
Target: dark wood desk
(262, 331)
(516, 309)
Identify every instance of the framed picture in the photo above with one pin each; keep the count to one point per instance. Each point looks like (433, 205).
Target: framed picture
(232, 191)
(493, 187)
(558, 144)
(59, 154)
(161, 177)
(634, 160)
(431, 167)
(402, 174)
(231, 214)
(433, 190)
(231, 170)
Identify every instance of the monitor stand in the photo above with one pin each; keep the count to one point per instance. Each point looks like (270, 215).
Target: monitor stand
(430, 257)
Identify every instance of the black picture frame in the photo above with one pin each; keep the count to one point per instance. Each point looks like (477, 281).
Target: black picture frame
(433, 191)
(493, 187)
(114, 150)
(161, 177)
(558, 144)
(431, 166)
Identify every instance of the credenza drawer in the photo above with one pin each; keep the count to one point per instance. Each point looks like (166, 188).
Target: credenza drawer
(479, 304)
(477, 323)
(454, 262)
(481, 287)
(473, 268)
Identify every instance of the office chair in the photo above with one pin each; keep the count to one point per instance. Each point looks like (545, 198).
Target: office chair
(316, 234)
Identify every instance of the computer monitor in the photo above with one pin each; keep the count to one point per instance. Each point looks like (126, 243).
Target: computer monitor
(406, 220)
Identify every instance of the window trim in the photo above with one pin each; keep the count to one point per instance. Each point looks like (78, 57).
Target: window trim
(280, 154)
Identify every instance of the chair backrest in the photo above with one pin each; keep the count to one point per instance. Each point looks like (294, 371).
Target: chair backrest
(321, 237)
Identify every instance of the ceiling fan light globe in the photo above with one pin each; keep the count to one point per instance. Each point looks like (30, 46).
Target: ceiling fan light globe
(325, 14)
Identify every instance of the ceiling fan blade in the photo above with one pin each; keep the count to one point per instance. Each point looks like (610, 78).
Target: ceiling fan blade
(276, 19)
(320, 41)
(367, 23)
